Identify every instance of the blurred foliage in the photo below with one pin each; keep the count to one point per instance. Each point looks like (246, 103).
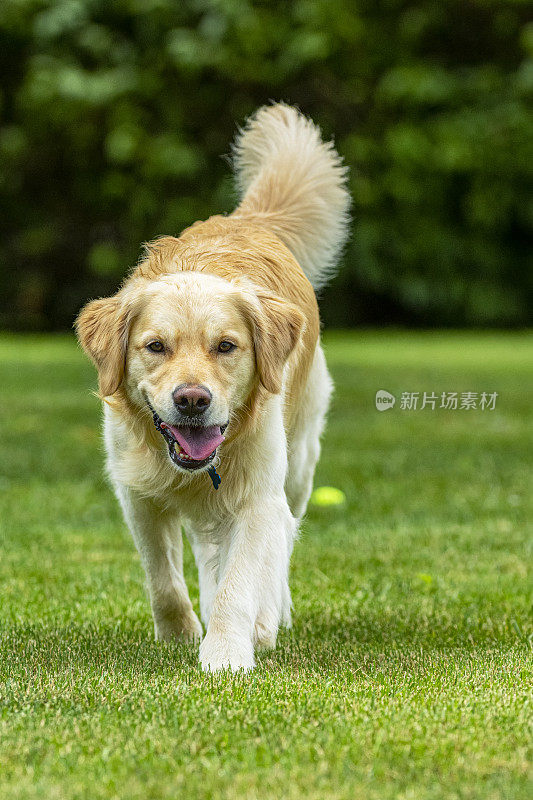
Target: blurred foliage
(114, 114)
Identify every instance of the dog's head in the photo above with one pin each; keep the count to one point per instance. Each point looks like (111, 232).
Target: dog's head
(193, 346)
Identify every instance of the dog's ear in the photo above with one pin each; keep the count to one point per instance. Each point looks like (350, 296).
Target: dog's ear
(277, 326)
(103, 328)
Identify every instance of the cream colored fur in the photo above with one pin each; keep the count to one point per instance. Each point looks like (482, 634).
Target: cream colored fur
(292, 181)
(244, 278)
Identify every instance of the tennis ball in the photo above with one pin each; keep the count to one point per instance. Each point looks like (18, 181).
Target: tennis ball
(328, 496)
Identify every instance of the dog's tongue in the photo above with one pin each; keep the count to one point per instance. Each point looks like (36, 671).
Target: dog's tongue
(198, 442)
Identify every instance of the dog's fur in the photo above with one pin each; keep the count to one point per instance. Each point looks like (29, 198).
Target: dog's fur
(248, 278)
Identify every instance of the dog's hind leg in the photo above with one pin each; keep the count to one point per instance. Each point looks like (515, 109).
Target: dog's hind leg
(304, 438)
(207, 557)
(157, 536)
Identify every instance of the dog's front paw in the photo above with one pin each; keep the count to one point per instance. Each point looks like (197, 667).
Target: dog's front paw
(219, 652)
(178, 627)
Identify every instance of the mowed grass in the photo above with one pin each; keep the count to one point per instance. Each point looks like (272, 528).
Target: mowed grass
(407, 673)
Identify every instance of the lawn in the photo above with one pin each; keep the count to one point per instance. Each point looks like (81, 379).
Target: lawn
(408, 671)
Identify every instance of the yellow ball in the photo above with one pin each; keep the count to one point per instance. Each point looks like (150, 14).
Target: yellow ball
(328, 496)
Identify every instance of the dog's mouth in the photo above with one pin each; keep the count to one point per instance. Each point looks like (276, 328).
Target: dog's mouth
(192, 446)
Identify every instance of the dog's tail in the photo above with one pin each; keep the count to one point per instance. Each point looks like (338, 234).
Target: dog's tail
(295, 184)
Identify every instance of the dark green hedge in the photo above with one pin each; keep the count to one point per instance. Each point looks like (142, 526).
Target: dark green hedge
(114, 114)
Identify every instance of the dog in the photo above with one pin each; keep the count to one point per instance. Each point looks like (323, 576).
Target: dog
(209, 359)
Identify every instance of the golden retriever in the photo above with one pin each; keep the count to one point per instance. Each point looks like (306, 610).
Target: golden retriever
(209, 359)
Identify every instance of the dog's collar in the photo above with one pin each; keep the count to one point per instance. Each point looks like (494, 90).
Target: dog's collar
(170, 440)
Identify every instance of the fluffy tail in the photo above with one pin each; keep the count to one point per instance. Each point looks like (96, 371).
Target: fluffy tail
(293, 182)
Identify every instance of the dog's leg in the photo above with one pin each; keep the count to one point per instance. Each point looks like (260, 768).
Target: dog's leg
(207, 557)
(157, 536)
(304, 449)
(253, 586)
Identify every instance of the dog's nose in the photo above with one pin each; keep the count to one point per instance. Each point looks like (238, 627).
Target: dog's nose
(192, 399)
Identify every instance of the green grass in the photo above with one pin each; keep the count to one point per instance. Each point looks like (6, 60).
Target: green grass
(408, 671)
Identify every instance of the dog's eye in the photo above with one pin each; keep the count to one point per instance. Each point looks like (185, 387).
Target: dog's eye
(226, 347)
(155, 347)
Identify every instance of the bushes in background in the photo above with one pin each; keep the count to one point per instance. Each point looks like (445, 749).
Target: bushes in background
(113, 117)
